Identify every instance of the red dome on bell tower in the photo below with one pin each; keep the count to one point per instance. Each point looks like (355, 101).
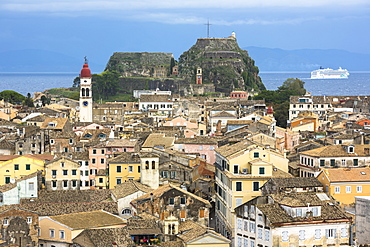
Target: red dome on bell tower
(85, 71)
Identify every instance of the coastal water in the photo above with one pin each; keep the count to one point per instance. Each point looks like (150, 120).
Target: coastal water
(358, 83)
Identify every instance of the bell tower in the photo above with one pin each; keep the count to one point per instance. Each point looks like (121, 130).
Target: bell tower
(85, 94)
(199, 76)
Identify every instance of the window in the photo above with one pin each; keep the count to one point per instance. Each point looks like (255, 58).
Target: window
(102, 160)
(317, 233)
(94, 151)
(74, 183)
(130, 168)
(322, 162)
(331, 233)
(87, 173)
(236, 169)
(315, 211)
(299, 212)
(101, 180)
(164, 174)
(252, 243)
(7, 180)
(256, 186)
(343, 162)
(238, 186)
(119, 168)
(343, 232)
(171, 201)
(256, 155)
(65, 183)
(359, 189)
(5, 222)
(172, 174)
(240, 223)
(153, 164)
(61, 234)
(126, 211)
(52, 233)
(252, 227)
(16, 167)
(29, 220)
(65, 172)
(93, 160)
(74, 172)
(53, 173)
(183, 200)
(337, 190)
(239, 242)
(348, 189)
(259, 233)
(302, 234)
(267, 235)
(119, 180)
(245, 225)
(200, 147)
(262, 170)
(54, 184)
(332, 162)
(31, 186)
(355, 162)
(28, 167)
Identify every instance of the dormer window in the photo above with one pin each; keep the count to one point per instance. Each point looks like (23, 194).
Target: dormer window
(52, 124)
(88, 136)
(351, 149)
(101, 135)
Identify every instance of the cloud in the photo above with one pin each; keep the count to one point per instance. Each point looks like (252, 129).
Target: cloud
(113, 5)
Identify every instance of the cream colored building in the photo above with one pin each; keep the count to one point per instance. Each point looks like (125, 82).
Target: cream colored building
(241, 169)
(60, 230)
(62, 174)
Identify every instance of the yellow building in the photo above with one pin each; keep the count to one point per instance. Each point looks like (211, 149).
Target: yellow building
(62, 229)
(241, 170)
(123, 168)
(14, 167)
(346, 183)
(62, 174)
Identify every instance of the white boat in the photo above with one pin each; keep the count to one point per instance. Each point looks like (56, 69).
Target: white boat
(330, 73)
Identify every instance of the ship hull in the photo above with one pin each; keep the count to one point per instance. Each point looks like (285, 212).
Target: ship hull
(330, 74)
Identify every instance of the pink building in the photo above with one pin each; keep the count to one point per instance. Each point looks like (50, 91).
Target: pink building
(289, 138)
(239, 95)
(203, 145)
(97, 162)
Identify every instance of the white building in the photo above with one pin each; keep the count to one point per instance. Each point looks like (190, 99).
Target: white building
(295, 219)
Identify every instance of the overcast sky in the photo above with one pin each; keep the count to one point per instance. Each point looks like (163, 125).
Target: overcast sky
(97, 28)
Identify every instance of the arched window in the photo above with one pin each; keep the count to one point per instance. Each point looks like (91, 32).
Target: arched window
(126, 211)
(146, 164)
(87, 92)
(83, 91)
(153, 164)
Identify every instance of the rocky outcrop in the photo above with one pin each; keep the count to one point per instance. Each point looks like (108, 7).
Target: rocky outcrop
(223, 63)
(140, 64)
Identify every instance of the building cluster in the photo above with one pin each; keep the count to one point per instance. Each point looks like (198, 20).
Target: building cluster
(194, 171)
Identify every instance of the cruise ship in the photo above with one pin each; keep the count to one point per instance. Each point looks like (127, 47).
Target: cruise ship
(330, 73)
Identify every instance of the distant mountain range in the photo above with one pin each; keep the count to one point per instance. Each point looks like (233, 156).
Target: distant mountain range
(267, 59)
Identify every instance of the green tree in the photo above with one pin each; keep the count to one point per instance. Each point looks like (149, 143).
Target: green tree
(76, 82)
(28, 101)
(12, 97)
(280, 98)
(105, 84)
(45, 100)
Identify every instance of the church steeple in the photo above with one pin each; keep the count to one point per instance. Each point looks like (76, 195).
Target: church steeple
(85, 93)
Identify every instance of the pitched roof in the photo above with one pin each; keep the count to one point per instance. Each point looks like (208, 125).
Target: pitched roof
(348, 174)
(277, 215)
(58, 123)
(223, 114)
(128, 188)
(196, 140)
(105, 237)
(91, 219)
(156, 139)
(338, 151)
(296, 182)
(126, 157)
(157, 193)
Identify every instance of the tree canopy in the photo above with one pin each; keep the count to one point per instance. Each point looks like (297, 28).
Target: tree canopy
(280, 98)
(12, 97)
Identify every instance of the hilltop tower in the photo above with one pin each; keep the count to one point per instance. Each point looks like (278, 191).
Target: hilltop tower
(85, 94)
(199, 76)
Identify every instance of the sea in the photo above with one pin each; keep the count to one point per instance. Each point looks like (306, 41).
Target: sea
(358, 83)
